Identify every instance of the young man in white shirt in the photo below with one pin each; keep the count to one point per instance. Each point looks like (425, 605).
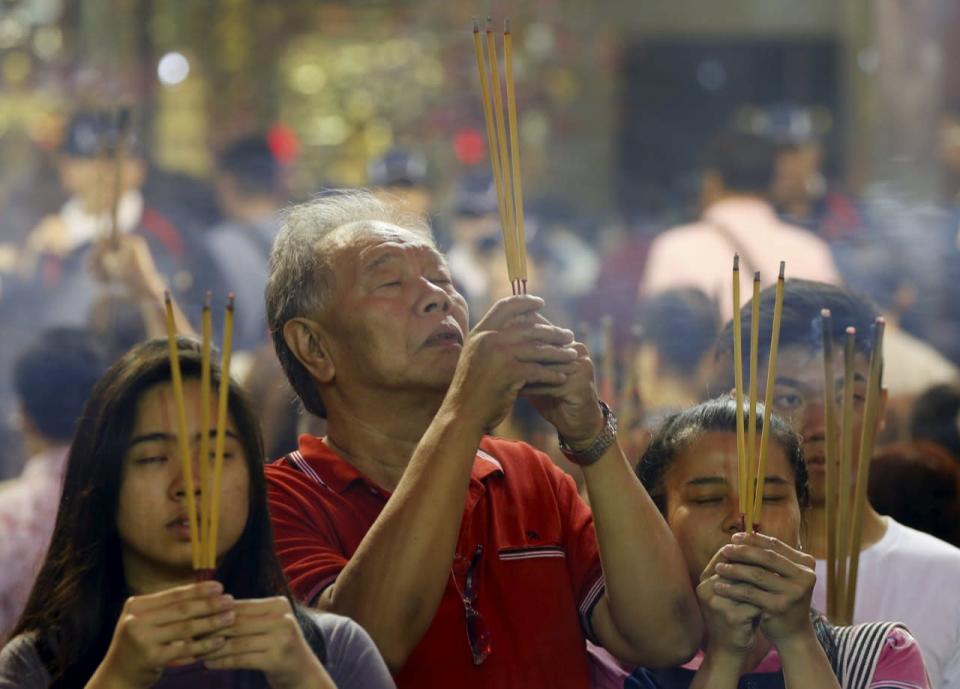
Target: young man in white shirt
(904, 575)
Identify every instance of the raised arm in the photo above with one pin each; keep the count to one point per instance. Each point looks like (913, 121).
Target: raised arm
(395, 580)
(648, 614)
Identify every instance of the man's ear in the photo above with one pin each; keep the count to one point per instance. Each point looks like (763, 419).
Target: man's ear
(305, 339)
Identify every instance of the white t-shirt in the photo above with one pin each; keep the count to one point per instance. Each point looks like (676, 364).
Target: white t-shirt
(911, 577)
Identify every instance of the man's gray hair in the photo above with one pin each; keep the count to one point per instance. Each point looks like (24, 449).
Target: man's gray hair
(301, 270)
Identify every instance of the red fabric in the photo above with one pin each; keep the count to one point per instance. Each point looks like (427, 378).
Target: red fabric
(540, 563)
(158, 227)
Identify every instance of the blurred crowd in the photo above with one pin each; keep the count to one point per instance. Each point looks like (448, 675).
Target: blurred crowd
(92, 245)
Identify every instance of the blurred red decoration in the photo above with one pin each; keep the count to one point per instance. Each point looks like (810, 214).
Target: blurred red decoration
(283, 143)
(469, 146)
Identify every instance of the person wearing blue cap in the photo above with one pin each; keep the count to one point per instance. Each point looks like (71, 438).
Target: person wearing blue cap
(66, 259)
(404, 176)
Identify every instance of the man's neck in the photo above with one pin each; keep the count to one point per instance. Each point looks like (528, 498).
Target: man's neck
(378, 438)
(815, 543)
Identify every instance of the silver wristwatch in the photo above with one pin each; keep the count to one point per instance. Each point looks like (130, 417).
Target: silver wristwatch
(603, 441)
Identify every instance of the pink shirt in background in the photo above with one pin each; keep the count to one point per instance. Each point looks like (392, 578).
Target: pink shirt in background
(900, 665)
(701, 254)
(28, 510)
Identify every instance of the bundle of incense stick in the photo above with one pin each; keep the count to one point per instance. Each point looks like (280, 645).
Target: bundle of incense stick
(844, 522)
(751, 464)
(504, 152)
(203, 530)
(608, 378)
(123, 123)
(629, 402)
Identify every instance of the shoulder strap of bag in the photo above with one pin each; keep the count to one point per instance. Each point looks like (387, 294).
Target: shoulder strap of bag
(747, 265)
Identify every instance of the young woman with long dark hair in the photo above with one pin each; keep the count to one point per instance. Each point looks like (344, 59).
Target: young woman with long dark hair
(115, 603)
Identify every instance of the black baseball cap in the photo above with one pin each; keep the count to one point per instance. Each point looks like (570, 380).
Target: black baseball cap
(93, 133)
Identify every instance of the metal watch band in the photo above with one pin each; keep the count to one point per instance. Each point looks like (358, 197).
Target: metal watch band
(603, 441)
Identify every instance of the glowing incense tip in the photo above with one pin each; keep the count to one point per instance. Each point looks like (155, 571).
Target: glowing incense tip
(756, 276)
(851, 331)
(476, 25)
(825, 313)
(489, 24)
(506, 25)
(783, 267)
(206, 300)
(736, 262)
(230, 300)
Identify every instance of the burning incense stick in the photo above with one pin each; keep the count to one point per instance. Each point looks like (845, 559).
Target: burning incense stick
(221, 431)
(206, 493)
(492, 143)
(843, 480)
(830, 459)
(629, 404)
(608, 384)
(752, 421)
(743, 480)
(520, 232)
(182, 441)
(767, 400)
(504, 157)
(119, 162)
(867, 434)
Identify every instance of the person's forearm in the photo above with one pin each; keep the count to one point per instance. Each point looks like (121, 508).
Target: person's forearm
(394, 582)
(154, 312)
(805, 664)
(648, 592)
(718, 672)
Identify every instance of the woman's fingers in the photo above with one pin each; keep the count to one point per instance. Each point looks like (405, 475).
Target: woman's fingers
(196, 627)
(242, 645)
(243, 661)
(183, 652)
(183, 611)
(768, 602)
(139, 605)
(753, 575)
(762, 541)
(761, 557)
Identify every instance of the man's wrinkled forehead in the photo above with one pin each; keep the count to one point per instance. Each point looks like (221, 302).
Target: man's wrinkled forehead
(363, 240)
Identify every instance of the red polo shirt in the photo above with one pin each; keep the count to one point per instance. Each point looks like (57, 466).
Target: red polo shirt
(537, 581)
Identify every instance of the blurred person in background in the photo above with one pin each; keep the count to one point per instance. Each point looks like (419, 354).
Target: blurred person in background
(402, 177)
(802, 190)
(251, 192)
(918, 485)
(674, 358)
(59, 287)
(936, 418)
(912, 364)
(737, 218)
(53, 378)
(893, 557)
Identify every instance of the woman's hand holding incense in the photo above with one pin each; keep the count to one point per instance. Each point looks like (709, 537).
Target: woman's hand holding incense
(176, 626)
(778, 580)
(766, 573)
(267, 637)
(731, 625)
